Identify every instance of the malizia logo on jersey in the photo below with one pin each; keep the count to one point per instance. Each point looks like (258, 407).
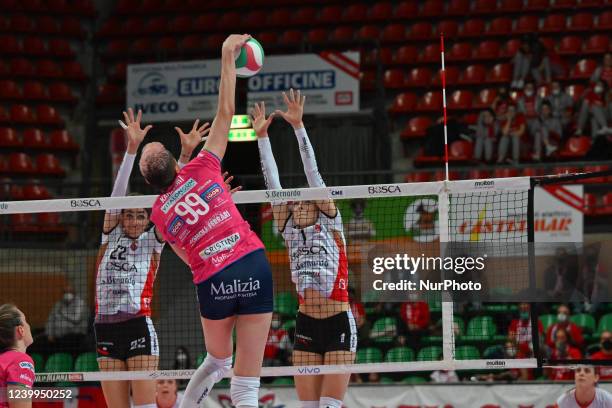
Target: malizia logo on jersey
(175, 226)
(212, 192)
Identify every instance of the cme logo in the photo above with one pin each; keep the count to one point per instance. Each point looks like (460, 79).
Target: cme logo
(384, 189)
(85, 203)
(151, 84)
(212, 192)
(336, 193)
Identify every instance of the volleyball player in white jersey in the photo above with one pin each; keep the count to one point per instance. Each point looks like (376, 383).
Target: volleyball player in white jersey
(586, 394)
(127, 264)
(325, 330)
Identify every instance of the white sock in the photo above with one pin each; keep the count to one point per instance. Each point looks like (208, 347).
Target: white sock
(329, 402)
(210, 372)
(245, 392)
(309, 404)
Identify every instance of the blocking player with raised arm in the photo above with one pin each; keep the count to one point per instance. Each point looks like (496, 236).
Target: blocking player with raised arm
(127, 265)
(325, 331)
(198, 218)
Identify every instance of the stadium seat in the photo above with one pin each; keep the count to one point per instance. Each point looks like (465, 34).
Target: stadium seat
(452, 76)
(500, 26)
(569, 45)
(48, 69)
(416, 127)
(181, 24)
(406, 10)
(267, 37)
(384, 330)
(61, 140)
(477, 174)
(399, 355)
(484, 6)
(355, 13)
(473, 75)
(406, 55)
(605, 323)
(86, 362)
(589, 3)
(585, 321)
(575, 91)
(49, 164)
(9, 45)
(590, 203)
(576, 147)
(143, 46)
(47, 25)
(393, 33)
(9, 90)
(418, 177)
(420, 31)
(467, 353)
(553, 23)
(606, 208)
(487, 50)
(280, 17)
(117, 47)
(369, 355)
(34, 46)
(367, 80)
(368, 32)
(431, 101)
(430, 353)
(189, 44)
(472, 28)
(61, 92)
(431, 53)
(330, 15)
(506, 172)
(458, 8)
(381, 11)
(13, 192)
(74, 70)
(20, 163)
(111, 27)
(461, 51)
(36, 192)
(583, 69)
(304, 16)
(318, 36)
(470, 118)
(155, 25)
(21, 67)
(59, 362)
(510, 6)
(563, 4)
(394, 79)
(21, 114)
(480, 328)
(432, 8)
(23, 223)
(501, 73)
(510, 48)
(597, 44)
(418, 77)
(47, 115)
(342, 34)
(461, 150)
(20, 23)
(527, 24)
(206, 22)
(403, 103)
(604, 22)
(34, 91)
(581, 22)
(60, 48)
(461, 99)
(536, 5)
(8, 137)
(285, 304)
(449, 28)
(231, 18)
(290, 38)
(34, 139)
(71, 26)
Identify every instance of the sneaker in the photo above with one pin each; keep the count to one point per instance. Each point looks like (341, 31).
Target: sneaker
(604, 130)
(550, 149)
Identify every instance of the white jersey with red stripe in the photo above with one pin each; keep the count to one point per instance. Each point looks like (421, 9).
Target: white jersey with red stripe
(317, 256)
(126, 273)
(602, 399)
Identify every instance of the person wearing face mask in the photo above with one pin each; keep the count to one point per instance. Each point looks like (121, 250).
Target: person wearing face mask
(604, 353)
(512, 130)
(574, 333)
(67, 323)
(487, 130)
(593, 108)
(543, 129)
(520, 329)
(604, 72)
(560, 102)
(563, 350)
(529, 104)
(586, 394)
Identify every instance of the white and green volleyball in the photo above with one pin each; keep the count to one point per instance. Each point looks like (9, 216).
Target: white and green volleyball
(250, 60)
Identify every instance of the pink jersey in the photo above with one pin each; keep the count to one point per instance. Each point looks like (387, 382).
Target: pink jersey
(16, 368)
(198, 215)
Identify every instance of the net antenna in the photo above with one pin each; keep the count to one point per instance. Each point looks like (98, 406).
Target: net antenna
(443, 76)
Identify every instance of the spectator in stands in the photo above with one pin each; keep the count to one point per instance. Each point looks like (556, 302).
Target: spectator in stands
(519, 330)
(512, 130)
(604, 353)
(167, 395)
(560, 278)
(593, 108)
(544, 129)
(278, 346)
(444, 376)
(182, 361)
(604, 72)
(416, 318)
(501, 103)
(361, 320)
(528, 104)
(531, 58)
(510, 351)
(560, 102)
(573, 333)
(66, 326)
(359, 228)
(563, 350)
(487, 130)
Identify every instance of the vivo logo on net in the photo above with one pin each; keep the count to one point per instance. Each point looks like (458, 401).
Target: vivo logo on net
(309, 370)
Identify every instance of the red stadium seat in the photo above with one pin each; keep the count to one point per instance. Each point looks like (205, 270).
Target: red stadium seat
(589, 3)
(254, 19)
(4, 70)
(49, 164)
(111, 27)
(109, 94)
(485, 98)
(501, 73)
(406, 55)
(452, 76)
(15, 191)
(355, 13)
(590, 204)
(4, 115)
(8, 137)
(60, 48)
(290, 38)
(342, 34)
(20, 163)
(71, 26)
(9, 90)
(461, 99)
(51, 223)
(267, 37)
(460, 52)
(597, 44)
(36, 192)
(152, 5)
(511, 6)
(569, 45)
(473, 75)
(47, 25)
(394, 33)
(304, 16)
(214, 41)
(575, 91)
(460, 150)
(280, 18)
(532, 172)
(581, 22)
(21, 114)
(61, 92)
(190, 43)
(403, 103)
(431, 101)
(230, 18)
(472, 28)
(35, 91)
(418, 177)
(330, 15)
(416, 127)
(500, 26)
(458, 8)
(156, 25)
(34, 139)
(431, 53)
(431, 8)
(506, 172)
(527, 24)
(21, 67)
(477, 174)
(553, 23)
(181, 24)
(563, 4)
(73, 70)
(61, 140)
(34, 46)
(368, 32)
(381, 11)
(21, 24)
(23, 223)
(318, 36)
(367, 80)
(143, 46)
(536, 5)
(117, 47)
(510, 48)
(606, 208)
(485, 6)
(419, 78)
(206, 22)
(168, 45)
(394, 79)
(135, 25)
(576, 147)
(9, 45)
(420, 31)
(47, 115)
(406, 10)
(487, 50)
(605, 21)
(449, 28)
(583, 69)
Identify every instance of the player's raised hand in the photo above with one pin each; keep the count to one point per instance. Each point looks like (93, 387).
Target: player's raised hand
(295, 108)
(196, 135)
(258, 117)
(134, 132)
(234, 43)
(227, 180)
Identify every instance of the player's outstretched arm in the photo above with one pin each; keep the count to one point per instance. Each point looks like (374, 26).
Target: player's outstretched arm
(135, 137)
(295, 111)
(217, 141)
(191, 140)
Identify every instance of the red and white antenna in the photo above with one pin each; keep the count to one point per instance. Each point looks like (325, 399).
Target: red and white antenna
(443, 75)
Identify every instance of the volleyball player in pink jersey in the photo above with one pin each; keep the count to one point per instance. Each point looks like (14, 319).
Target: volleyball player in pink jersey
(325, 330)
(197, 217)
(16, 367)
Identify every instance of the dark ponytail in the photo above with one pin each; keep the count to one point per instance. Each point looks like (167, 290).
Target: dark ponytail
(9, 319)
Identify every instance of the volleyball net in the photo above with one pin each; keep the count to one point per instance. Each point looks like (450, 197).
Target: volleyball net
(437, 275)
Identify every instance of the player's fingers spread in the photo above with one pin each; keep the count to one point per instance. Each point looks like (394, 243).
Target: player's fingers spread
(291, 95)
(148, 128)
(195, 124)
(139, 116)
(127, 119)
(179, 130)
(303, 100)
(285, 98)
(298, 96)
(263, 108)
(233, 190)
(131, 113)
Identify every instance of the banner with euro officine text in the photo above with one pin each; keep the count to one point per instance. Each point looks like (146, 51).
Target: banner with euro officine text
(187, 90)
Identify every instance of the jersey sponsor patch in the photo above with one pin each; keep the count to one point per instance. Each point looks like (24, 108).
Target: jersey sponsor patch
(224, 244)
(177, 194)
(27, 365)
(175, 226)
(212, 192)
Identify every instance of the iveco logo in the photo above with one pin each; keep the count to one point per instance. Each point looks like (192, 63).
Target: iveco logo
(84, 203)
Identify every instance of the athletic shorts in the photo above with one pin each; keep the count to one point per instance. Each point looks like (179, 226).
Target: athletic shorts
(335, 333)
(244, 287)
(134, 337)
